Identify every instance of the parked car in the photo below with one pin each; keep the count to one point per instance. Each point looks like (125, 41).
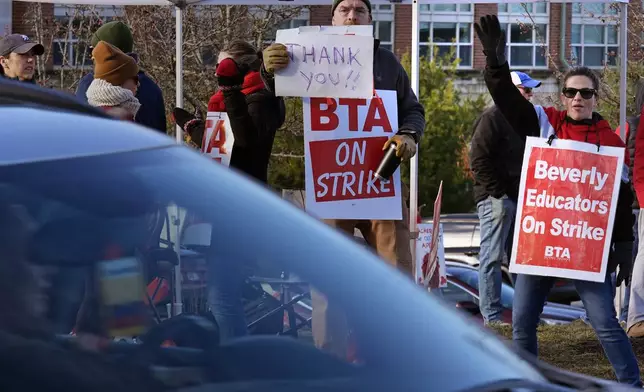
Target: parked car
(462, 291)
(462, 240)
(100, 180)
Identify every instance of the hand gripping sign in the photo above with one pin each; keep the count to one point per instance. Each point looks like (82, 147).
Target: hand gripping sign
(343, 140)
(566, 209)
(327, 61)
(218, 138)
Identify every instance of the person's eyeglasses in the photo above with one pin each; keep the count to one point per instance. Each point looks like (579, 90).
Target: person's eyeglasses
(527, 90)
(586, 93)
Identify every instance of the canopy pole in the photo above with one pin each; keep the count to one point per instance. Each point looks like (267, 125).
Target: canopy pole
(413, 175)
(623, 72)
(176, 221)
(179, 64)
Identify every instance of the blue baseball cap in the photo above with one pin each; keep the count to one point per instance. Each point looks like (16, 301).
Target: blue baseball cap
(522, 79)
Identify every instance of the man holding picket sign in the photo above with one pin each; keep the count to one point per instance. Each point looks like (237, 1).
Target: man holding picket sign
(390, 238)
(574, 185)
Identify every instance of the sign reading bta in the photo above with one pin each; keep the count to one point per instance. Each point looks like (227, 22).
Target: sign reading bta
(218, 138)
(566, 209)
(343, 142)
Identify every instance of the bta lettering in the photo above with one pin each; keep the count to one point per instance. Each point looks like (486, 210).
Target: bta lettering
(217, 137)
(324, 115)
(557, 252)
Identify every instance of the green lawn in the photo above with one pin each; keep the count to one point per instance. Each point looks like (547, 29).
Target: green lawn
(575, 347)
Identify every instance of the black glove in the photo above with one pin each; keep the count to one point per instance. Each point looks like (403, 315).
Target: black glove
(622, 256)
(492, 39)
(192, 124)
(230, 75)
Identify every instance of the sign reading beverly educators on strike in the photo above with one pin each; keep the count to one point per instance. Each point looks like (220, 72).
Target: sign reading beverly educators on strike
(343, 141)
(566, 208)
(218, 138)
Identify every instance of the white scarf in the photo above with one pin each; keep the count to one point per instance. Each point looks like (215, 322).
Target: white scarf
(104, 94)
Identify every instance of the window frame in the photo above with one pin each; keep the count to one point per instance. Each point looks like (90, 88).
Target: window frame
(517, 18)
(387, 16)
(604, 20)
(458, 17)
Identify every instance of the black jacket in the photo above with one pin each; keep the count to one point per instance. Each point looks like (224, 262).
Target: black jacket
(254, 119)
(496, 156)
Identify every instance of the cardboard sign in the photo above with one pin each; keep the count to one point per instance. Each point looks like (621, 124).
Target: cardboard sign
(326, 63)
(343, 141)
(431, 262)
(218, 138)
(424, 249)
(566, 209)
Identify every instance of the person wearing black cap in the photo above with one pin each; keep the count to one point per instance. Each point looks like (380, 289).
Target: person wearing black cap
(388, 237)
(18, 57)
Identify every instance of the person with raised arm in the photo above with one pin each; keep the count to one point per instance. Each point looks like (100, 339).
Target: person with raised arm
(577, 122)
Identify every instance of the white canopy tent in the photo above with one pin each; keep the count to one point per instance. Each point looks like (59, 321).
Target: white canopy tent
(181, 4)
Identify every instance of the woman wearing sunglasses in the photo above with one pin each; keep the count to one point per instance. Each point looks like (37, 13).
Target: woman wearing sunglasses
(577, 122)
(115, 82)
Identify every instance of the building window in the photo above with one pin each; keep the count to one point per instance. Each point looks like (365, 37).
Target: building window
(445, 28)
(594, 40)
(383, 25)
(525, 8)
(594, 45)
(73, 29)
(526, 33)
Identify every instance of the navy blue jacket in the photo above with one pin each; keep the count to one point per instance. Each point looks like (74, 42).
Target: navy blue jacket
(152, 111)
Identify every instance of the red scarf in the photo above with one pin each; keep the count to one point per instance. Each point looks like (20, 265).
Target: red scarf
(252, 82)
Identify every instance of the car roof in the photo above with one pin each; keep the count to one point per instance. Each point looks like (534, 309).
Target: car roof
(32, 134)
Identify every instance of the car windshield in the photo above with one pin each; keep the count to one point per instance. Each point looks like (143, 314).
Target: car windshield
(78, 211)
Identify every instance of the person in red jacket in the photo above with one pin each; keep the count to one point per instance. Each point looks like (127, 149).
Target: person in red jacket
(581, 123)
(635, 317)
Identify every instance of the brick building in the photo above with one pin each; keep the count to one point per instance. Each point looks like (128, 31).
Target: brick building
(589, 34)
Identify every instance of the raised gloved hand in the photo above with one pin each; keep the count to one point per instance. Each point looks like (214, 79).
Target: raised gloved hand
(230, 75)
(492, 39)
(622, 256)
(275, 57)
(405, 146)
(191, 124)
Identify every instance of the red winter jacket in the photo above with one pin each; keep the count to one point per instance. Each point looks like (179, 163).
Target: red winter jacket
(529, 120)
(638, 162)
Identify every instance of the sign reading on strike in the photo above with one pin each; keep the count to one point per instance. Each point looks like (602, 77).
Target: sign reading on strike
(343, 140)
(218, 138)
(566, 208)
(327, 62)
(431, 270)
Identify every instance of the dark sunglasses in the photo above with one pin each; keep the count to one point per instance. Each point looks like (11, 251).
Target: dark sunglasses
(527, 90)
(586, 93)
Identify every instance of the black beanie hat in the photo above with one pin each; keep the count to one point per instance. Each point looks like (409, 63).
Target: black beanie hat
(337, 2)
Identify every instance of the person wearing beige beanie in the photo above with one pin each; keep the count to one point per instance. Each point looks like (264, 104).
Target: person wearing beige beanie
(115, 82)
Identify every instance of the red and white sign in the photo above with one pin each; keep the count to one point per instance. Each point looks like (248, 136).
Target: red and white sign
(218, 138)
(343, 141)
(566, 209)
(430, 254)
